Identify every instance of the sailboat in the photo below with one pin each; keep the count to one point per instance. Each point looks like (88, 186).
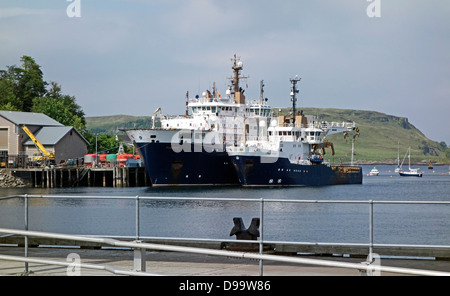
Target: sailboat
(411, 172)
(397, 169)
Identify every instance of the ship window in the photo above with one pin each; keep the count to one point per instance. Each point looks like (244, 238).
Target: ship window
(270, 133)
(213, 109)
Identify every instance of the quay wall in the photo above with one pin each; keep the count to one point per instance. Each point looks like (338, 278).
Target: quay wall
(61, 177)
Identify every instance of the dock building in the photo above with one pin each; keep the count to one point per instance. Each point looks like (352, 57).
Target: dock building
(16, 147)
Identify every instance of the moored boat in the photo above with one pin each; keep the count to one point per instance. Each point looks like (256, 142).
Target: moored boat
(290, 155)
(374, 172)
(190, 150)
(410, 172)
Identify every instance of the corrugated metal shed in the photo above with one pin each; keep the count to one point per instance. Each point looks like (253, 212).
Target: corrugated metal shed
(51, 135)
(28, 118)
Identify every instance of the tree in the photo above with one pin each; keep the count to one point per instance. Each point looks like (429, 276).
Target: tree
(8, 99)
(24, 89)
(62, 108)
(105, 143)
(22, 85)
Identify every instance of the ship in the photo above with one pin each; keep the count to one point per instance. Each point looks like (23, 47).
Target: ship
(293, 152)
(190, 150)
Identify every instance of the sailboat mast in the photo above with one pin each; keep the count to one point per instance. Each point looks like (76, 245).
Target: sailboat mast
(409, 158)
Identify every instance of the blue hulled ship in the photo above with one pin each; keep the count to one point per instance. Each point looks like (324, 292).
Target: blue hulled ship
(292, 153)
(190, 150)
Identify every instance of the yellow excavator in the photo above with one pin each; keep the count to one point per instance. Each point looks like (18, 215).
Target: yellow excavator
(44, 157)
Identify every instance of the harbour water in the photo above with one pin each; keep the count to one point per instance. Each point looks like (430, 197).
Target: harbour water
(213, 219)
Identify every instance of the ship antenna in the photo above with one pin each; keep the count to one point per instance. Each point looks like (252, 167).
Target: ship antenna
(187, 103)
(214, 90)
(294, 91)
(261, 94)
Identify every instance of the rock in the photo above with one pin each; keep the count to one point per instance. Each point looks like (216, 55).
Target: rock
(9, 181)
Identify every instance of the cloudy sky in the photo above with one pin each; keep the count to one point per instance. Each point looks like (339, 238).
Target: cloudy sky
(133, 56)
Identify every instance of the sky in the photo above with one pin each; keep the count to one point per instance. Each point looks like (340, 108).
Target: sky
(132, 56)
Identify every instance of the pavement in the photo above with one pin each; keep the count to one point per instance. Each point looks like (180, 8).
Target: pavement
(183, 264)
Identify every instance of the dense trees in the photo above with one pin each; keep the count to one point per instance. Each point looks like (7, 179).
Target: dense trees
(23, 89)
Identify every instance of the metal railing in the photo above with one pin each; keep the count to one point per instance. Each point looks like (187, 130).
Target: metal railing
(141, 247)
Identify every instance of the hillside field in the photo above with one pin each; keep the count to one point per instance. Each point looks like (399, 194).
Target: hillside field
(378, 142)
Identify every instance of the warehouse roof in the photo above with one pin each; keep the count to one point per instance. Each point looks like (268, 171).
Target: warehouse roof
(51, 135)
(29, 118)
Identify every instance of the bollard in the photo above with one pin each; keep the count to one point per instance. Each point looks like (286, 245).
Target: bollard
(252, 233)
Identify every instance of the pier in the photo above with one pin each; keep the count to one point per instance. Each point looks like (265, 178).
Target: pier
(60, 177)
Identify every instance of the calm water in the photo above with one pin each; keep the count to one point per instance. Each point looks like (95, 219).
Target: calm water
(349, 223)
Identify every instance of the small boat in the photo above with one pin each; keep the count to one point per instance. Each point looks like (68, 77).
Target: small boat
(316, 159)
(374, 172)
(411, 172)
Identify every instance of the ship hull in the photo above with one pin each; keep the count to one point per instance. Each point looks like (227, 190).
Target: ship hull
(166, 167)
(252, 172)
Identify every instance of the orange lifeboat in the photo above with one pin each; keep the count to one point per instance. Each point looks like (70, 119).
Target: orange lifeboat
(123, 157)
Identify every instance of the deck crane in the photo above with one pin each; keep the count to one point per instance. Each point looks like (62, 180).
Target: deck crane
(44, 156)
(154, 115)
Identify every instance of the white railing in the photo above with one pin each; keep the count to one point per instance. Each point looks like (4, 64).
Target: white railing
(141, 247)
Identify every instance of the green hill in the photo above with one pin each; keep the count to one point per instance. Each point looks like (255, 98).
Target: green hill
(379, 135)
(111, 124)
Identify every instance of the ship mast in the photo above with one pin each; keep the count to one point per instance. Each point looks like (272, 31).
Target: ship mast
(237, 90)
(294, 91)
(187, 104)
(261, 92)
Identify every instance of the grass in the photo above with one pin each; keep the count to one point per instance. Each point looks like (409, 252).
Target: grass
(380, 135)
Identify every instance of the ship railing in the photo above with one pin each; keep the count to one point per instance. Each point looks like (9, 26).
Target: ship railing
(366, 267)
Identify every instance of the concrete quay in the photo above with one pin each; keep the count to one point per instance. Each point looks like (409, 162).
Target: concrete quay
(184, 264)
